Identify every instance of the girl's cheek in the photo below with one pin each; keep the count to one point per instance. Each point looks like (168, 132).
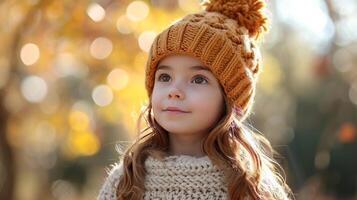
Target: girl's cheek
(155, 103)
(198, 90)
(159, 86)
(158, 93)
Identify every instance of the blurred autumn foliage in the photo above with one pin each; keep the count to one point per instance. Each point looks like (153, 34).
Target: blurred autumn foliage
(72, 86)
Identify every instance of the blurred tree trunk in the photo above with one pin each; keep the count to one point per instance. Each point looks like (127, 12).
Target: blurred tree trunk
(7, 154)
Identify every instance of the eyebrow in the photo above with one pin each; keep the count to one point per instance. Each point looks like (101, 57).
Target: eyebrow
(196, 67)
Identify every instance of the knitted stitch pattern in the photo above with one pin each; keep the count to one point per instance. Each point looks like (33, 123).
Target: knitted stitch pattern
(175, 177)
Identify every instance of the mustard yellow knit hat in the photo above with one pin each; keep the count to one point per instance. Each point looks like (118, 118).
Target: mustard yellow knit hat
(223, 37)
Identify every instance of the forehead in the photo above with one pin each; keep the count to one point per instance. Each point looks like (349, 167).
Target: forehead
(181, 62)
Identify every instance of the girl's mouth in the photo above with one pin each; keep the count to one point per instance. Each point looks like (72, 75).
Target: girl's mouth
(174, 110)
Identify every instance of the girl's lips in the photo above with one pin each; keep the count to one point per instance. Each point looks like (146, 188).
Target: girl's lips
(174, 110)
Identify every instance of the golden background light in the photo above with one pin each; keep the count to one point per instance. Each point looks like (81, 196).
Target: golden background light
(145, 40)
(102, 95)
(82, 143)
(118, 79)
(78, 120)
(30, 53)
(124, 25)
(137, 11)
(189, 5)
(101, 48)
(66, 64)
(96, 12)
(34, 89)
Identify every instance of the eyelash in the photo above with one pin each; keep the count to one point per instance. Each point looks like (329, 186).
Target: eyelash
(197, 76)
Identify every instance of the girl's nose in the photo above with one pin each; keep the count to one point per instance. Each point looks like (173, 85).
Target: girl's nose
(176, 93)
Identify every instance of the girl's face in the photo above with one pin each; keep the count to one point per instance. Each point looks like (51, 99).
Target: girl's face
(184, 84)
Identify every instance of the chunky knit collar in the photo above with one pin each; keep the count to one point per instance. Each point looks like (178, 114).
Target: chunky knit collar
(183, 177)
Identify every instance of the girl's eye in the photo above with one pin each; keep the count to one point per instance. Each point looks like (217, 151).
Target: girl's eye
(199, 80)
(163, 77)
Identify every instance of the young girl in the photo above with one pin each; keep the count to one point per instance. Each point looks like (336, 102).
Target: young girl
(201, 79)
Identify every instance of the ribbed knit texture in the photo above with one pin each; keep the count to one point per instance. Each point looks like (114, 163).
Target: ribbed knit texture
(176, 177)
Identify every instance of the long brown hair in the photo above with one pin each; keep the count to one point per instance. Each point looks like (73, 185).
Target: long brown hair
(245, 156)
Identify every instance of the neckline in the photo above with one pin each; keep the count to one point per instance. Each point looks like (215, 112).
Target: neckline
(186, 156)
(181, 160)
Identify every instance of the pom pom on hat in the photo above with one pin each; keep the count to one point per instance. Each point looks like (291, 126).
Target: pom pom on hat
(247, 13)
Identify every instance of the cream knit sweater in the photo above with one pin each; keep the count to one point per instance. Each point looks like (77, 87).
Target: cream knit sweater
(176, 177)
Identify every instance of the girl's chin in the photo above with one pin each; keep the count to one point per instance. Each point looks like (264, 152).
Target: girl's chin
(177, 131)
(182, 131)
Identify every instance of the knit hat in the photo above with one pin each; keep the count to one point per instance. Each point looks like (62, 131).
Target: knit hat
(223, 37)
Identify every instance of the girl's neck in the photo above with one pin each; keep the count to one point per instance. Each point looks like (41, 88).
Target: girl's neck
(186, 144)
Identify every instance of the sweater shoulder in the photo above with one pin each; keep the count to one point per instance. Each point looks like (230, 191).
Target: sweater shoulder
(109, 187)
